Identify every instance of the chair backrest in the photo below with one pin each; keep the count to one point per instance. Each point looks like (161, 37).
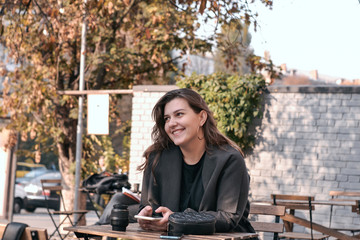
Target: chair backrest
(28, 233)
(276, 211)
(344, 195)
(51, 185)
(293, 201)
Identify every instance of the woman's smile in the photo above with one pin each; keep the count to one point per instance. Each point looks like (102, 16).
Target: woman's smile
(181, 122)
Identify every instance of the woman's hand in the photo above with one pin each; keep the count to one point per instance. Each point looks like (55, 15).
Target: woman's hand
(160, 225)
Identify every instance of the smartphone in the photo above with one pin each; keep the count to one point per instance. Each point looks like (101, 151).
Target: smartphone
(148, 218)
(169, 235)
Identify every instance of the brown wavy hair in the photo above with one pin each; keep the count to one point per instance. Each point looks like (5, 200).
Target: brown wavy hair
(212, 136)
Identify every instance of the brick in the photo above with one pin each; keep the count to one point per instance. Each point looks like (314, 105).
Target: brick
(326, 184)
(351, 136)
(350, 171)
(329, 143)
(330, 177)
(350, 144)
(351, 103)
(325, 122)
(309, 116)
(354, 165)
(290, 189)
(319, 150)
(307, 122)
(346, 123)
(306, 169)
(306, 129)
(351, 115)
(330, 102)
(138, 112)
(329, 157)
(349, 130)
(354, 179)
(136, 136)
(341, 178)
(307, 142)
(355, 97)
(340, 150)
(308, 102)
(327, 130)
(331, 115)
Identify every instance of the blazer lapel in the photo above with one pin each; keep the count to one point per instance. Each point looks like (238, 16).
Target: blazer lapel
(207, 173)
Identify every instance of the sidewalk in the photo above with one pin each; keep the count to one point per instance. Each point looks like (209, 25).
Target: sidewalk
(41, 219)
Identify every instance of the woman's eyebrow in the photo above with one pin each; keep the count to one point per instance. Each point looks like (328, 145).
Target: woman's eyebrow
(177, 110)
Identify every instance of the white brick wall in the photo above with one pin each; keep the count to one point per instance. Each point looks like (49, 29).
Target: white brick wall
(309, 143)
(144, 99)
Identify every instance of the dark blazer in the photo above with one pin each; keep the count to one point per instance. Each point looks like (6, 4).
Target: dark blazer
(225, 180)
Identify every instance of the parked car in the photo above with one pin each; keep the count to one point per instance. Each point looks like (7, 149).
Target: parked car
(32, 174)
(19, 198)
(23, 167)
(35, 196)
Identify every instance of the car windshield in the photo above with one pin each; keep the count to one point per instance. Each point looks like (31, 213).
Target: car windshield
(36, 172)
(48, 175)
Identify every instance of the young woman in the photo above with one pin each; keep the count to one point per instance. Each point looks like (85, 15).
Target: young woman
(191, 166)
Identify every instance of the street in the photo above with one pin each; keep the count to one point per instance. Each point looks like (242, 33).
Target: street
(41, 219)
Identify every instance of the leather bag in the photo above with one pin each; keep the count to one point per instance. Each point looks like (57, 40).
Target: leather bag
(197, 223)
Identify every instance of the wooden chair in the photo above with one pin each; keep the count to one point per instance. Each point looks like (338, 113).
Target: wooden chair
(52, 187)
(345, 196)
(29, 233)
(296, 202)
(274, 227)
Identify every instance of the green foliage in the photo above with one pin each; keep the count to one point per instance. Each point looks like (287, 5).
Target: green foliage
(234, 100)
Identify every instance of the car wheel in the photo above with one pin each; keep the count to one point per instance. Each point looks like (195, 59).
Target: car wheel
(30, 209)
(17, 205)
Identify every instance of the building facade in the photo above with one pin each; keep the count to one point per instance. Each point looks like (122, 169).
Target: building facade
(308, 143)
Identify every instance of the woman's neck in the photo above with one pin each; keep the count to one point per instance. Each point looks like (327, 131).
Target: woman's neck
(192, 155)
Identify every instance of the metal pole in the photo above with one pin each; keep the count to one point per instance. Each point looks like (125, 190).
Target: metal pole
(79, 130)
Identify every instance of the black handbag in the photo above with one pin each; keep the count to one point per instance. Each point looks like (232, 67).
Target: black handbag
(197, 223)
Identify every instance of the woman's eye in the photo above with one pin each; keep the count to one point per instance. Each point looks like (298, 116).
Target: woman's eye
(166, 119)
(179, 114)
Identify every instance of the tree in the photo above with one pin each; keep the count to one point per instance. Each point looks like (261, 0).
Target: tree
(128, 42)
(233, 48)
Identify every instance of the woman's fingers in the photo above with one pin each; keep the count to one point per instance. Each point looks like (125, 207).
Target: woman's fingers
(146, 211)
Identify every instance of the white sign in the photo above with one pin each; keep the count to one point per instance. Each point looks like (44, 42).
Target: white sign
(7, 178)
(98, 114)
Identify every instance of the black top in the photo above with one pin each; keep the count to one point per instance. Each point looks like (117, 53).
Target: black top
(192, 189)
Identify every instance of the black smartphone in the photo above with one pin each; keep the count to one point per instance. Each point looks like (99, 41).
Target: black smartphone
(169, 235)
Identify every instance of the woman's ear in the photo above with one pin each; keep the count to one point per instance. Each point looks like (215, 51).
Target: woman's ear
(203, 117)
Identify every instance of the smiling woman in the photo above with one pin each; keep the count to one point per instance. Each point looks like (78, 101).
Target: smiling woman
(191, 167)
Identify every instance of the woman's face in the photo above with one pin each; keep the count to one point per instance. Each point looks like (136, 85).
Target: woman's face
(182, 123)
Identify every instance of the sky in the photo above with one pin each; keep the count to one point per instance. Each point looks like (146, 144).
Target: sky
(311, 34)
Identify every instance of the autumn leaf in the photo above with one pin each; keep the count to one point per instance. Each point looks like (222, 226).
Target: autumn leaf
(147, 33)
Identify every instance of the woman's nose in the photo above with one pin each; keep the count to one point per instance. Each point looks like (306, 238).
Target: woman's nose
(172, 122)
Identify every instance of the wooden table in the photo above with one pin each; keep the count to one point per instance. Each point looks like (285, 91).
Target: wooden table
(133, 231)
(306, 223)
